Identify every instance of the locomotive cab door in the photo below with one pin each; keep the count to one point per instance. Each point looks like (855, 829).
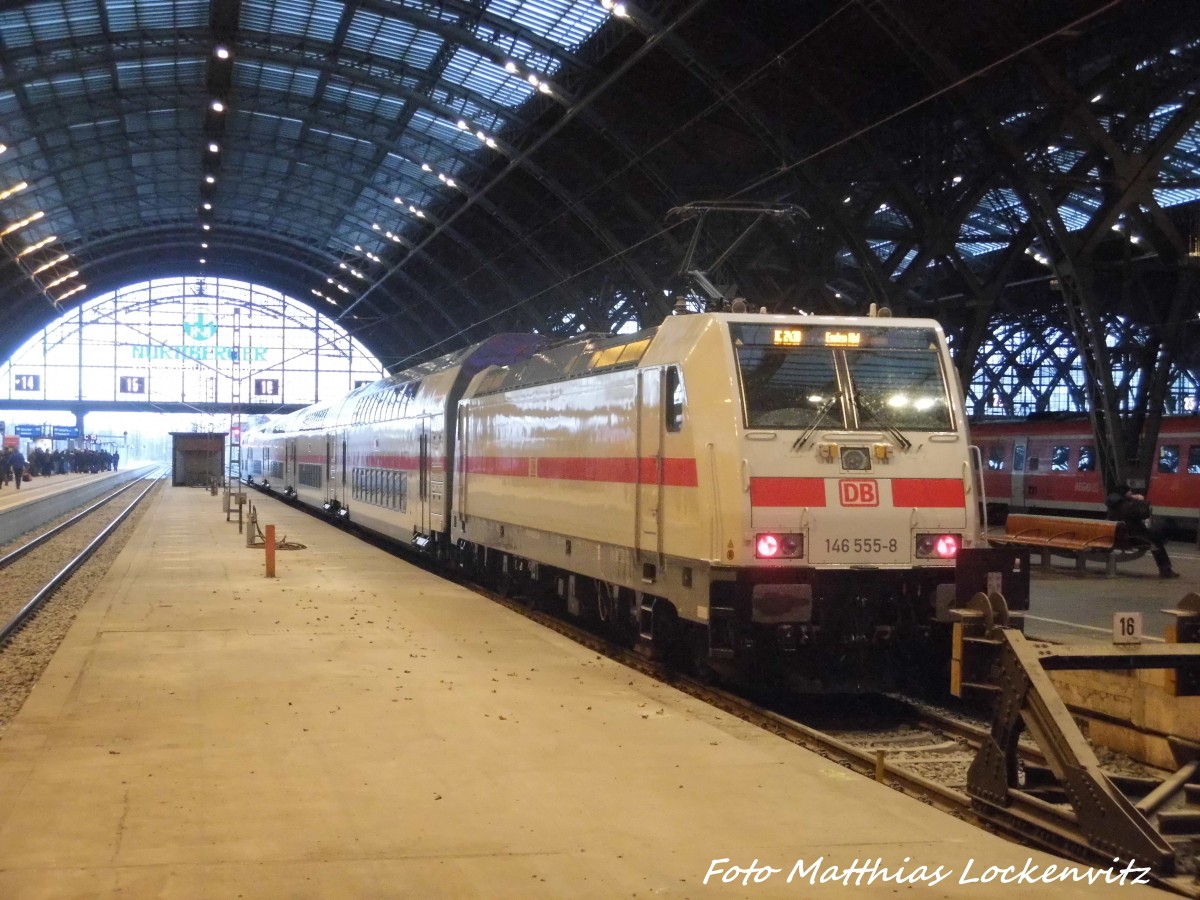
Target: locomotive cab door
(647, 522)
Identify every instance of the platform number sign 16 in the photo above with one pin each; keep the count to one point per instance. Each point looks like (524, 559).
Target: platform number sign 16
(27, 382)
(1127, 628)
(266, 387)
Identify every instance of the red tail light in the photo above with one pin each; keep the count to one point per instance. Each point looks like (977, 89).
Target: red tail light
(767, 546)
(938, 546)
(947, 546)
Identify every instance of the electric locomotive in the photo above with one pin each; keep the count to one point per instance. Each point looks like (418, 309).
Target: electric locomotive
(780, 498)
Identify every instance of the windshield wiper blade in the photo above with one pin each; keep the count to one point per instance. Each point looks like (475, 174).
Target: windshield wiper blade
(880, 419)
(799, 443)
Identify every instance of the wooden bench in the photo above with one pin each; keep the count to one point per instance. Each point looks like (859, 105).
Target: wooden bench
(1082, 539)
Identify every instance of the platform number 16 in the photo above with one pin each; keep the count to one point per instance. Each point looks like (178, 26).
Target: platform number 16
(1127, 628)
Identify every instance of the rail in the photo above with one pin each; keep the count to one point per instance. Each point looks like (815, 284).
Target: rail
(31, 607)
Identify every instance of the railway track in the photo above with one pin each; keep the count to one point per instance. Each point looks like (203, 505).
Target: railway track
(36, 569)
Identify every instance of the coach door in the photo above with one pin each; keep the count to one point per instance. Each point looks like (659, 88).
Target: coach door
(1019, 462)
(290, 473)
(331, 466)
(647, 522)
(436, 451)
(423, 477)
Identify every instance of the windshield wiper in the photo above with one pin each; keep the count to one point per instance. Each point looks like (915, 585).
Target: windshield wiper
(799, 443)
(876, 416)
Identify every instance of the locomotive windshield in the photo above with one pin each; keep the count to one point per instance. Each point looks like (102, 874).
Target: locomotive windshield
(839, 378)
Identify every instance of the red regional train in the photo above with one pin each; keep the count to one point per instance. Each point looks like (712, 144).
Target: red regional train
(779, 497)
(1050, 465)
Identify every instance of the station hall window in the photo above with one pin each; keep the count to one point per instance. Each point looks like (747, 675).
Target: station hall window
(1060, 458)
(1168, 459)
(1087, 458)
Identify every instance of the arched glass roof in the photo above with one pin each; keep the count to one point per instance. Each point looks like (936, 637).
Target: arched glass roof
(189, 341)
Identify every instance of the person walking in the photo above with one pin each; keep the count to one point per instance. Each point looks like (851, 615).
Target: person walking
(1126, 505)
(17, 461)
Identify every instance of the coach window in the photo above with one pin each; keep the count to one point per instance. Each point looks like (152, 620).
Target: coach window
(1060, 459)
(1019, 459)
(675, 399)
(1194, 460)
(1168, 459)
(1034, 461)
(1087, 459)
(996, 457)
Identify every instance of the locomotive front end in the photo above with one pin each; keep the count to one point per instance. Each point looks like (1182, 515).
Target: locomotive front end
(857, 497)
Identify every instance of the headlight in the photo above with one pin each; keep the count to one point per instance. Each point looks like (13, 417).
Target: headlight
(779, 546)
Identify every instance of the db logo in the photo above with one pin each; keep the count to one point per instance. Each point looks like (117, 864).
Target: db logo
(858, 493)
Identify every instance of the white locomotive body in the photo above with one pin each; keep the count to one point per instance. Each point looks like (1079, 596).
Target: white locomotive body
(783, 496)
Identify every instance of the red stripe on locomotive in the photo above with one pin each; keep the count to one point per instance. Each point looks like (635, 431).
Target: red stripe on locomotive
(929, 492)
(787, 491)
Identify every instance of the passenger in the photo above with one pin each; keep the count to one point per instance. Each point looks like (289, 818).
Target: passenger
(1124, 505)
(5, 466)
(17, 461)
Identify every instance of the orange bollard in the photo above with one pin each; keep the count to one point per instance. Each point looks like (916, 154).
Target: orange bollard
(270, 547)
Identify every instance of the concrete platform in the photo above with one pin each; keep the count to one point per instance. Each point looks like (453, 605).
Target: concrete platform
(359, 728)
(1068, 607)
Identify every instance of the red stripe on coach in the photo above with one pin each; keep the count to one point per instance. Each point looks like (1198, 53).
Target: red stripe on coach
(498, 465)
(787, 491)
(932, 492)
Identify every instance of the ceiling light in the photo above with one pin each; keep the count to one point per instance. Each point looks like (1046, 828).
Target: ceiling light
(50, 265)
(38, 246)
(207, 205)
(204, 245)
(463, 126)
(217, 106)
(15, 189)
(210, 179)
(203, 260)
(425, 167)
(1097, 98)
(544, 87)
(3, 147)
(74, 290)
(17, 226)
(511, 67)
(57, 281)
(206, 226)
(213, 147)
(222, 52)
(491, 142)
